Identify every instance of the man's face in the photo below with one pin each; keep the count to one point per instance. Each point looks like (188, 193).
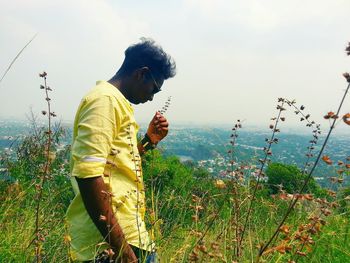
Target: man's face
(144, 88)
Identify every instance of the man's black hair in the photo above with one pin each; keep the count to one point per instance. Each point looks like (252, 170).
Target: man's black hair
(148, 54)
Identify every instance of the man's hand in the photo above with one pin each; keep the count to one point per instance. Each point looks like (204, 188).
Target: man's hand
(158, 128)
(128, 256)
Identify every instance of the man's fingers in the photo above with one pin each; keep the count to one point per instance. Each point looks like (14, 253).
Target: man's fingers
(160, 118)
(163, 121)
(162, 125)
(162, 129)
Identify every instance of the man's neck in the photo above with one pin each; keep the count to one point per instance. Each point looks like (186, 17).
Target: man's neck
(118, 84)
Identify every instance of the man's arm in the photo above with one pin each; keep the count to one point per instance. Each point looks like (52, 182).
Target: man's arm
(97, 126)
(96, 200)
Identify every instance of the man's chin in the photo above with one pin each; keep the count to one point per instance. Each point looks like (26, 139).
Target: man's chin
(134, 102)
(139, 102)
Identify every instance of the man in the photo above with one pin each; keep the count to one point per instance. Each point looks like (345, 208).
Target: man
(106, 218)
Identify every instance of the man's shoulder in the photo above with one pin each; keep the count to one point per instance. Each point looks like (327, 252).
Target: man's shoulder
(103, 89)
(99, 90)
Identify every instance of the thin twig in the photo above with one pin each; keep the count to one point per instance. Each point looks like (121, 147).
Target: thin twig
(17, 56)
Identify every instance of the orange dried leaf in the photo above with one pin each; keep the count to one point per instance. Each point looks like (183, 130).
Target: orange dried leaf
(284, 229)
(327, 160)
(308, 197)
(283, 248)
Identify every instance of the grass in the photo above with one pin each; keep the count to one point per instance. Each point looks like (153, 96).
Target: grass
(176, 231)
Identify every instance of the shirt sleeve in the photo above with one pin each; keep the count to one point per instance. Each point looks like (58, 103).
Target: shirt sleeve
(96, 128)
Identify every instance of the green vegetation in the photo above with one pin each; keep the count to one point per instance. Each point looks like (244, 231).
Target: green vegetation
(289, 178)
(191, 214)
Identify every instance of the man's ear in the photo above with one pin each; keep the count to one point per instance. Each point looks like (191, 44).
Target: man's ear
(141, 73)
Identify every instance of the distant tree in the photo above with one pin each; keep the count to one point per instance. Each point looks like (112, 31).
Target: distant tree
(290, 178)
(164, 173)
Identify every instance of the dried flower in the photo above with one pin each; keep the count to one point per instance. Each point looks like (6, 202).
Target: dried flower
(326, 211)
(346, 118)
(347, 49)
(284, 229)
(329, 115)
(327, 160)
(220, 184)
(67, 238)
(195, 218)
(303, 254)
(331, 193)
(194, 256)
(43, 75)
(215, 245)
(280, 108)
(202, 248)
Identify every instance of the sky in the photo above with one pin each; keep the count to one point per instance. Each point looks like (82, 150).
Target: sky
(234, 58)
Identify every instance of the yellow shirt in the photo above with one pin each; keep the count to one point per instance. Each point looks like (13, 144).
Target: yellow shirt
(105, 144)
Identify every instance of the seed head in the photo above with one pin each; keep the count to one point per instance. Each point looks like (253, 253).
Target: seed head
(43, 75)
(346, 118)
(329, 115)
(347, 49)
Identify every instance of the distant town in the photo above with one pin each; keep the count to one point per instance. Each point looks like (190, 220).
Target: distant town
(210, 148)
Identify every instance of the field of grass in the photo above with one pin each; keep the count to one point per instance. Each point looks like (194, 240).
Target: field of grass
(192, 216)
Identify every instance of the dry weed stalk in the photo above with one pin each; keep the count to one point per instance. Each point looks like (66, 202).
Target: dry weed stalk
(237, 176)
(166, 106)
(333, 117)
(45, 172)
(154, 220)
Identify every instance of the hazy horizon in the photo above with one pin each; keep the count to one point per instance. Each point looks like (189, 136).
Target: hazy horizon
(246, 127)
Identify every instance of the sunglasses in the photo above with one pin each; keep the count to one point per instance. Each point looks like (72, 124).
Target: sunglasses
(156, 88)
